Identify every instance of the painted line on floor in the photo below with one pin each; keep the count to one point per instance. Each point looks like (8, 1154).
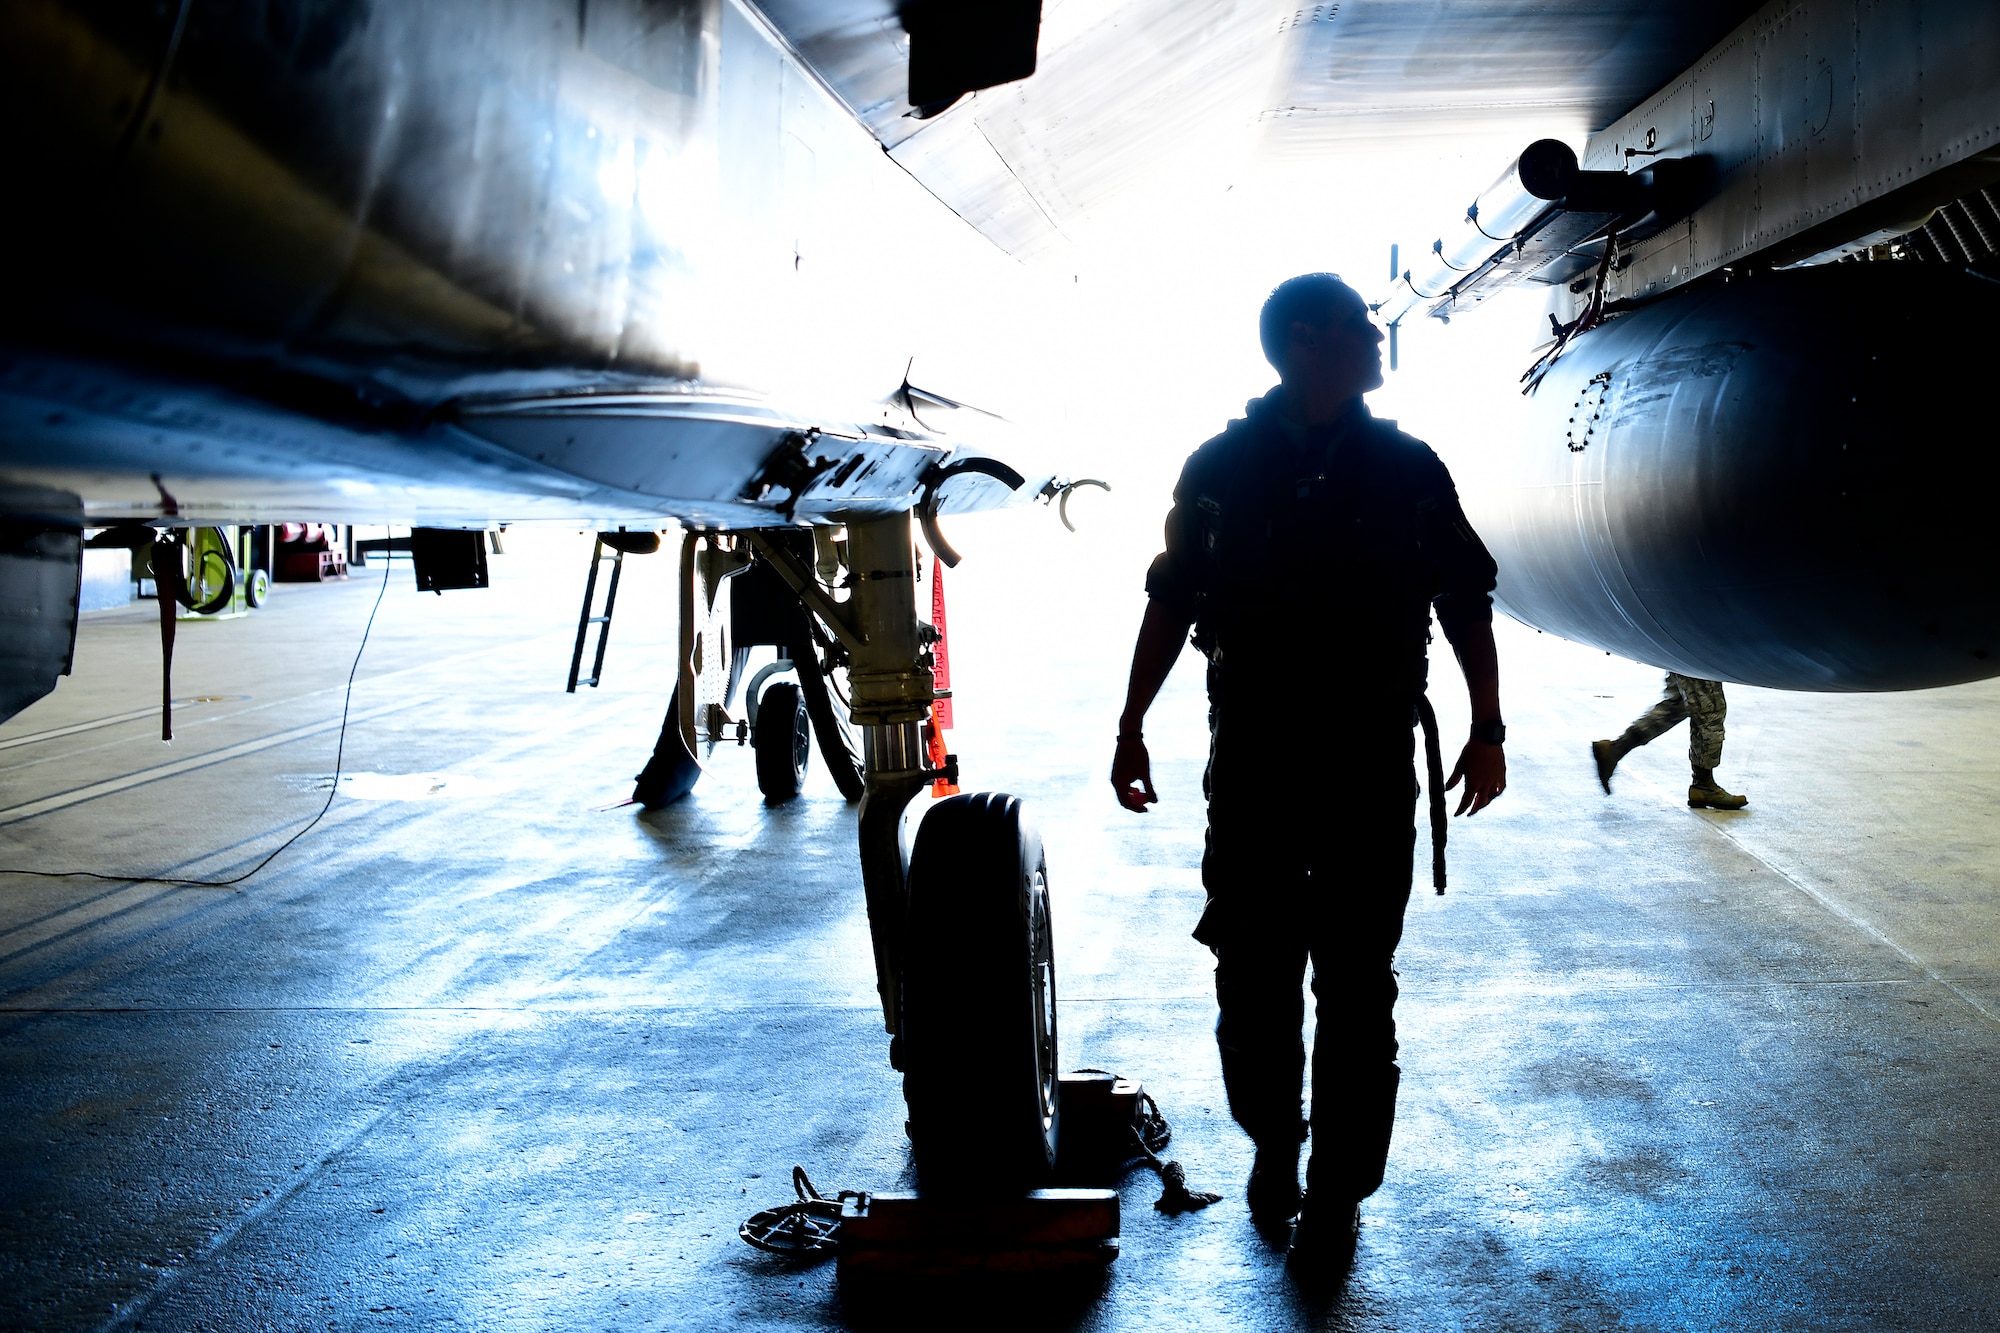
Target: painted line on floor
(28, 810)
(62, 800)
(1839, 910)
(1448, 996)
(203, 717)
(57, 733)
(27, 936)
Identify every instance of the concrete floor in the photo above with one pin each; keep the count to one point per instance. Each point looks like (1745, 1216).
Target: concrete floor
(479, 1053)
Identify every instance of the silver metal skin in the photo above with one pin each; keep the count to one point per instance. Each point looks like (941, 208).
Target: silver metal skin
(1135, 91)
(1811, 132)
(1727, 478)
(1831, 124)
(449, 263)
(1734, 483)
(39, 563)
(454, 262)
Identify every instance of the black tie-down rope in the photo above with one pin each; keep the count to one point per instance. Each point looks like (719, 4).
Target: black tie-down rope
(1151, 1134)
(339, 757)
(809, 1227)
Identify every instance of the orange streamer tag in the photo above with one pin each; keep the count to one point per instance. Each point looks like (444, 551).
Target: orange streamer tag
(934, 751)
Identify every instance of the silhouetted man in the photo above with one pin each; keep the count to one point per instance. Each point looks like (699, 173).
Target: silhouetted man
(1306, 547)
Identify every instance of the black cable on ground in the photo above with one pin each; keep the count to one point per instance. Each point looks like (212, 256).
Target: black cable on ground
(339, 756)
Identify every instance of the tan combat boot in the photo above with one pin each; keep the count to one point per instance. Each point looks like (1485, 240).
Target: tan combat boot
(1709, 793)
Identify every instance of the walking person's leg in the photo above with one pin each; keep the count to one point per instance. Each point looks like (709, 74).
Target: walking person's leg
(1260, 963)
(1669, 711)
(1359, 890)
(1707, 710)
(1355, 1075)
(1259, 1033)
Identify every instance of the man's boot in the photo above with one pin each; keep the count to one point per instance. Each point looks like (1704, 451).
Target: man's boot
(1704, 792)
(1607, 754)
(1323, 1241)
(1330, 1217)
(1273, 1191)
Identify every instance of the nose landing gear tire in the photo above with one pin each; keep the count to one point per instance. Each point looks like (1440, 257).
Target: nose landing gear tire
(979, 1000)
(784, 742)
(829, 723)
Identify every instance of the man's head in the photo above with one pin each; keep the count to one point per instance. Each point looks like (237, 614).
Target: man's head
(1317, 335)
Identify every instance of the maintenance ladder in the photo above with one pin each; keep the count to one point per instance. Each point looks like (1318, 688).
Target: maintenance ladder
(603, 622)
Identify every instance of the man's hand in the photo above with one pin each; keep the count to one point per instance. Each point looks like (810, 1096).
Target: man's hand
(1162, 635)
(1132, 775)
(1484, 769)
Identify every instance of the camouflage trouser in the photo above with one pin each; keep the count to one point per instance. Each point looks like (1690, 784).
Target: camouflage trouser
(1701, 703)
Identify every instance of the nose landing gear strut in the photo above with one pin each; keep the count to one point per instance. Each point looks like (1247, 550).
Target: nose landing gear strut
(964, 959)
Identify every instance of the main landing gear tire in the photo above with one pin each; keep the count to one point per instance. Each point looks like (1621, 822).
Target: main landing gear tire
(672, 772)
(208, 575)
(979, 1000)
(784, 742)
(836, 738)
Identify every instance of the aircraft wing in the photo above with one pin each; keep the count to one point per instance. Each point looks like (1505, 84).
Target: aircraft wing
(137, 445)
(1126, 91)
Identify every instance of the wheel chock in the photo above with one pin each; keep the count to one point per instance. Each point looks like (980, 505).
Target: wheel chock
(1043, 1231)
(1103, 1121)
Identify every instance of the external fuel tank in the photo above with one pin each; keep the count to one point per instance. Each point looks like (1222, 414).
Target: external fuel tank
(1785, 480)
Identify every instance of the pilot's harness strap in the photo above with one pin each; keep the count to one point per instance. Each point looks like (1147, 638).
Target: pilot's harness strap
(1434, 782)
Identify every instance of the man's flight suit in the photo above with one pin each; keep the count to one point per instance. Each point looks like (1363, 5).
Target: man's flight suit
(1309, 560)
